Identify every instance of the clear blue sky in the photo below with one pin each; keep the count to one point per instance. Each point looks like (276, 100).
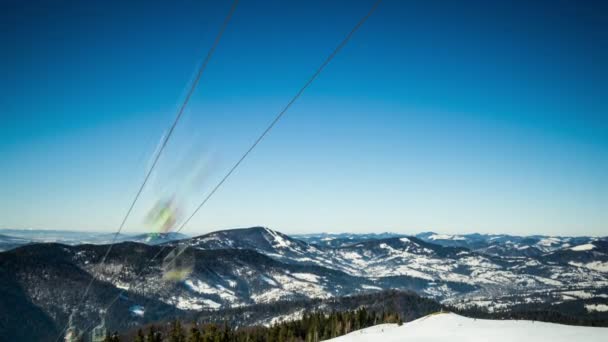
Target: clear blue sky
(459, 116)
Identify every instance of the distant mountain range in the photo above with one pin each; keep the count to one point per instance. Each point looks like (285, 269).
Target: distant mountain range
(13, 238)
(491, 244)
(256, 266)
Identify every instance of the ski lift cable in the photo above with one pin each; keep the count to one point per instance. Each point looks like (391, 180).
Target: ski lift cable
(282, 112)
(264, 133)
(164, 143)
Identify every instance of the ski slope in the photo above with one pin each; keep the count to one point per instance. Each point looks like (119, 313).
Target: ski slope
(454, 328)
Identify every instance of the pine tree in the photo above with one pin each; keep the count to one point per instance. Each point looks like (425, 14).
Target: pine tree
(140, 336)
(209, 332)
(177, 334)
(195, 335)
(112, 338)
(154, 335)
(312, 327)
(150, 336)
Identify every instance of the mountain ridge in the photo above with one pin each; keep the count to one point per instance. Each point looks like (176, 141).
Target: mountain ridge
(252, 266)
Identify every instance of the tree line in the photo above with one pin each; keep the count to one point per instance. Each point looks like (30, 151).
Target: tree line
(312, 327)
(541, 313)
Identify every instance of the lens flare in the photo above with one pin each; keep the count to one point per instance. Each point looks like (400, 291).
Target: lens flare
(178, 264)
(163, 216)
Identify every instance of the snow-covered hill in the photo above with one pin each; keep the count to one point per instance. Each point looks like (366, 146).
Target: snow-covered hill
(491, 244)
(256, 266)
(261, 239)
(435, 265)
(455, 328)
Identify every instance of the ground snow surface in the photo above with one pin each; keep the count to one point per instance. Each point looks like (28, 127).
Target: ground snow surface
(454, 328)
(596, 307)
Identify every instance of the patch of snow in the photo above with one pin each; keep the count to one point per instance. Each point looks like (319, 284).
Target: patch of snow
(452, 327)
(579, 294)
(548, 242)
(269, 280)
(210, 304)
(200, 287)
(445, 237)
(585, 247)
(596, 307)
(194, 303)
(279, 241)
(294, 316)
(137, 310)
(532, 262)
(370, 287)
(313, 278)
(270, 296)
(122, 286)
(594, 265)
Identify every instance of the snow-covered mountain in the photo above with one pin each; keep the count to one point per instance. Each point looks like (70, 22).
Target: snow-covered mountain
(452, 327)
(491, 244)
(342, 239)
(446, 271)
(50, 280)
(506, 245)
(261, 239)
(253, 266)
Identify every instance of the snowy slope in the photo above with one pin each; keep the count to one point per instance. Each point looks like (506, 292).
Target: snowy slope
(431, 266)
(455, 328)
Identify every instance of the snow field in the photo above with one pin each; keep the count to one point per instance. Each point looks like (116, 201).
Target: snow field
(454, 328)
